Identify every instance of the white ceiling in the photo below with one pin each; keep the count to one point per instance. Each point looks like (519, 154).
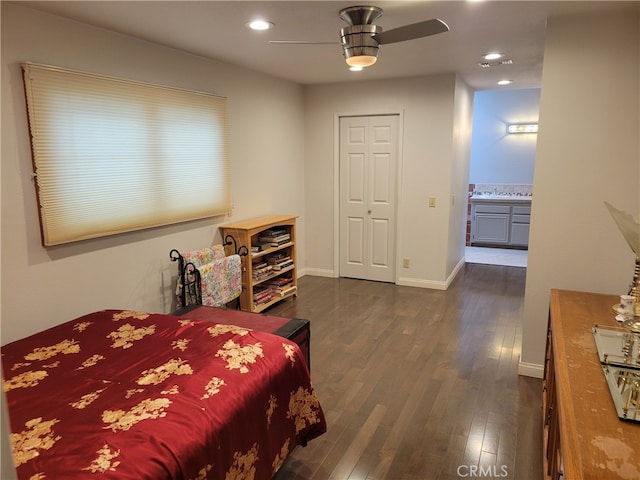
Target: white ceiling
(216, 29)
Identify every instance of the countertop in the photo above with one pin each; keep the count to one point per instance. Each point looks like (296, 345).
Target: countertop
(501, 198)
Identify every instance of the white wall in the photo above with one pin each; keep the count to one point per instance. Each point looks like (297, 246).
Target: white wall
(45, 286)
(588, 152)
(462, 138)
(429, 158)
(497, 157)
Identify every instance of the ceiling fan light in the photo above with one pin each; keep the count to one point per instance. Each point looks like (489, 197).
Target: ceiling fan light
(361, 61)
(260, 25)
(359, 55)
(492, 56)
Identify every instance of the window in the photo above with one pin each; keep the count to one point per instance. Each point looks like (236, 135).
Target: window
(113, 155)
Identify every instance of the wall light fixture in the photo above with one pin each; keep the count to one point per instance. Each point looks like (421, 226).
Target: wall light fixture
(523, 128)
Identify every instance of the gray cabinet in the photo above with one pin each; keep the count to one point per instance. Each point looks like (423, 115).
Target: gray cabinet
(491, 224)
(520, 219)
(500, 223)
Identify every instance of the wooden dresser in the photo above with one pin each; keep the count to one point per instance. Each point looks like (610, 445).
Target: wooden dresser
(583, 436)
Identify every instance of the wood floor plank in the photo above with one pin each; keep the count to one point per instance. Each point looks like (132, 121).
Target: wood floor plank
(417, 383)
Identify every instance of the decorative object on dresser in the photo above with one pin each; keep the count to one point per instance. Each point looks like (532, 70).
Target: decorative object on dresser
(584, 438)
(630, 230)
(269, 274)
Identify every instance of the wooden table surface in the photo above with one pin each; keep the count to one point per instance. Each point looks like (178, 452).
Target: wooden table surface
(595, 443)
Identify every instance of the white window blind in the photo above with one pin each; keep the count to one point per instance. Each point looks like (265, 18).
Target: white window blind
(113, 155)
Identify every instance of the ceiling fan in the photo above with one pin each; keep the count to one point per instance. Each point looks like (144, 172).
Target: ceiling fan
(361, 39)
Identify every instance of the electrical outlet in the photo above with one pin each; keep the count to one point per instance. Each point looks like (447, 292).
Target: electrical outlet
(432, 202)
(405, 262)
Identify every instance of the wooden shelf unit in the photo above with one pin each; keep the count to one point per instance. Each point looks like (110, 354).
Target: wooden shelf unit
(583, 438)
(247, 233)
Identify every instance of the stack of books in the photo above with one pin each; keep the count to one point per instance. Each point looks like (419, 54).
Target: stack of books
(281, 285)
(274, 237)
(262, 295)
(279, 260)
(261, 270)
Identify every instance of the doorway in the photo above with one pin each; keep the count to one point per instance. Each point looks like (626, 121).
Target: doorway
(501, 169)
(368, 166)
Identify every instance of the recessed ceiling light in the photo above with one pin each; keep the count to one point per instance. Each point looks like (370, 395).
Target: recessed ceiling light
(505, 82)
(260, 25)
(493, 56)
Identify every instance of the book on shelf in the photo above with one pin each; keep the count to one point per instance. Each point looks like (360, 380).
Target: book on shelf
(287, 291)
(262, 295)
(282, 265)
(261, 292)
(278, 244)
(276, 257)
(279, 239)
(281, 285)
(261, 270)
(279, 281)
(274, 232)
(279, 260)
(262, 246)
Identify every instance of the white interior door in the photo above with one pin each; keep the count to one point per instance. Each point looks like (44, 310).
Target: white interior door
(368, 166)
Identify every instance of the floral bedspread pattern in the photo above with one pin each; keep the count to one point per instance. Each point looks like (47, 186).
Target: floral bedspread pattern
(131, 395)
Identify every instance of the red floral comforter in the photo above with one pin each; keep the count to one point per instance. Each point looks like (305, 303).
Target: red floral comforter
(131, 395)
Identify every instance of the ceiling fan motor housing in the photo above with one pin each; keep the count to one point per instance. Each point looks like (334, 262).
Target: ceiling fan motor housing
(358, 40)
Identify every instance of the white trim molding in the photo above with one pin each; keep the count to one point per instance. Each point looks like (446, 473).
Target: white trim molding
(320, 272)
(534, 370)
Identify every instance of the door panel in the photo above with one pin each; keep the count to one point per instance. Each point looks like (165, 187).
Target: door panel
(379, 248)
(355, 192)
(368, 164)
(380, 180)
(355, 235)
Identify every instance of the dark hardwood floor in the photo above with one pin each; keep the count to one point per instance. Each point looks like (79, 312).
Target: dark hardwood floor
(419, 384)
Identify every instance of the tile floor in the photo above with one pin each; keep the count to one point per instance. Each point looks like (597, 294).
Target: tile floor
(496, 256)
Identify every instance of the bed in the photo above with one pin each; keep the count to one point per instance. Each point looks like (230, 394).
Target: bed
(132, 395)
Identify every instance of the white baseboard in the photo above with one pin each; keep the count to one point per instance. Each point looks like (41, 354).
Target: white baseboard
(432, 284)
(416, 282)
(455, 272)
(534, 370)
(407, 282)
(320, 272)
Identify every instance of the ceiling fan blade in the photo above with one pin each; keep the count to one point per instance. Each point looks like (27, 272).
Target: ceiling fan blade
(410, 32)
(301, 42)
